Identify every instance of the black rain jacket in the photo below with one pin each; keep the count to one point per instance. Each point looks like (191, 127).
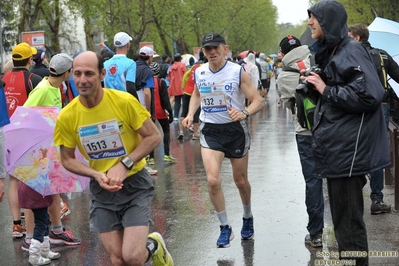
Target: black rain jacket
(350, 137)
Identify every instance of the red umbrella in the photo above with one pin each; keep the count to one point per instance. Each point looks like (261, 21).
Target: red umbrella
(243, 54)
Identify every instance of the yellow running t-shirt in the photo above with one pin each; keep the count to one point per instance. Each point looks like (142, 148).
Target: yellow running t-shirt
(44, 94)
(105, 133)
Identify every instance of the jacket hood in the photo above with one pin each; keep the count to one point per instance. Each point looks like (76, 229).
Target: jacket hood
(262, 56)
(332, 18)
(251, 58)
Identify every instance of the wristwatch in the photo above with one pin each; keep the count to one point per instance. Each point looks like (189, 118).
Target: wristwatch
(127, 162)
(245, 113)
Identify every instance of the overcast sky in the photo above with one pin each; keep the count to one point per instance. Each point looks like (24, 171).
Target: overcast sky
(293, 11)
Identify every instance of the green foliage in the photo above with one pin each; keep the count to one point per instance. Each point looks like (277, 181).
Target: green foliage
(365, 11)
(245, 25)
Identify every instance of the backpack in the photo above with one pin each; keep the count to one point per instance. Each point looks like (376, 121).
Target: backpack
(20, 83)
(163, 70)
(378, 60)
(305, 103)
(390, 96)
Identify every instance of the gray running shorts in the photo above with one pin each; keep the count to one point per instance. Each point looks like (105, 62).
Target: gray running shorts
(130, 206)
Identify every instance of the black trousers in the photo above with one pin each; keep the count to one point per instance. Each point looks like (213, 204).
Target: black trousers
(166, 136)
(347, 209)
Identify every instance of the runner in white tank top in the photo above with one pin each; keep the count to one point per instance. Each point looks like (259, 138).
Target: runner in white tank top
(221, 89)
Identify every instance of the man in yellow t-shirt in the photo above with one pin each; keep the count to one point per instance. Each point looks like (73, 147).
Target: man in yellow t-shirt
(115, 133)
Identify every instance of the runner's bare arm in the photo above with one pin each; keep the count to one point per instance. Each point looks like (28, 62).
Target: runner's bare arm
(147, 98)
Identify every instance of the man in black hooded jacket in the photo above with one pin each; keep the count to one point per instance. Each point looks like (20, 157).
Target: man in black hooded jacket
(349, 137)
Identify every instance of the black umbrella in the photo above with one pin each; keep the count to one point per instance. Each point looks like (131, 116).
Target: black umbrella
(306, 37)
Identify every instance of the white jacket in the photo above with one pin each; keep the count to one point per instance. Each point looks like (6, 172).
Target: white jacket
(252, 70)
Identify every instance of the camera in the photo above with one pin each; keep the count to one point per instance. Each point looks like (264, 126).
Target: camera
(305, 86)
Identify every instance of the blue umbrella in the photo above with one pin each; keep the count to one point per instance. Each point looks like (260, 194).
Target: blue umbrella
(384, 34)
(272, 55)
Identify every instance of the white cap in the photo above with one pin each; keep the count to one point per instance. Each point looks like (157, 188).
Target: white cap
(60, 63)
(121, 39)
(146, 51)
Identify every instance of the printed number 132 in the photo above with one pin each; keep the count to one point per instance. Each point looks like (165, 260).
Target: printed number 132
(209, 101)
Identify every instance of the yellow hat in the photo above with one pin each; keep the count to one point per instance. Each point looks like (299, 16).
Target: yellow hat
(22, 51)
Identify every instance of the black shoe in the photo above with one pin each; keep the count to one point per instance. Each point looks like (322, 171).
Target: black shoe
(316, 242)
(378, 207)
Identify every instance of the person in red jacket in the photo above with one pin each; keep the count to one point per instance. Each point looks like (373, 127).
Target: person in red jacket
(162, 113)
(175, 76)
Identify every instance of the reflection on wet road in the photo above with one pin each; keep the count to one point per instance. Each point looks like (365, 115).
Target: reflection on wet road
(184, 215)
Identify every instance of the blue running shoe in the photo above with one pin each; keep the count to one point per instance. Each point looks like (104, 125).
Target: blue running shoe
(247, 230)
(226, 235)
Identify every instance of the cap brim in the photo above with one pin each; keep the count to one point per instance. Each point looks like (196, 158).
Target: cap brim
(34, 50)
(211, 44)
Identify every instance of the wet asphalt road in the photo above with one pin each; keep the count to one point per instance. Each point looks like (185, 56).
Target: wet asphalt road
(183, 213)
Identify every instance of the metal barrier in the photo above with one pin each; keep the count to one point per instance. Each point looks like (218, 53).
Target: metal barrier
(392, 173)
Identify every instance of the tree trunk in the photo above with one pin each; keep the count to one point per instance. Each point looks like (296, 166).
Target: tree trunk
(89, 35)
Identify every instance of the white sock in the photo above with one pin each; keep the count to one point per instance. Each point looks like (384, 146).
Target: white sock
(222, 216)
(247, 211)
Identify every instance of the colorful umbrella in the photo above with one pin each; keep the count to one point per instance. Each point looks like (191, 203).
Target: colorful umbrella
(31, 155)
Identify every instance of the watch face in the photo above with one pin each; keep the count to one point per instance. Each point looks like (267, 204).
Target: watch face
(128, 162)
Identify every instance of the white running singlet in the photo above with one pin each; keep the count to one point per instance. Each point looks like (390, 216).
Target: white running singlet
(218, 90)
